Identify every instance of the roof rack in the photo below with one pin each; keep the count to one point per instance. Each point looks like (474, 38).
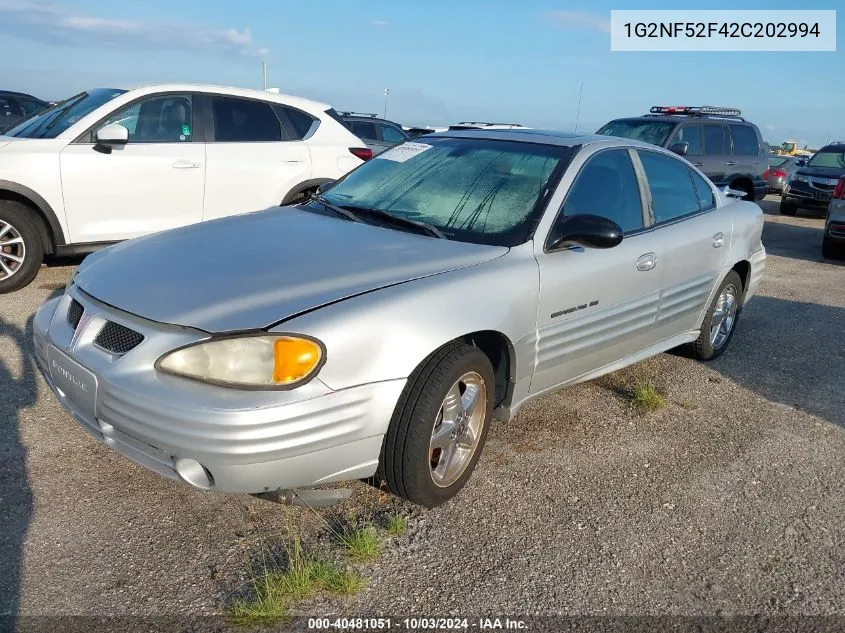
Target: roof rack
(704, 110)
(488, 123)
(366, 114)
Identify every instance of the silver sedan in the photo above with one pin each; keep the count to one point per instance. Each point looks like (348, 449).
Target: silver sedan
(379, 327)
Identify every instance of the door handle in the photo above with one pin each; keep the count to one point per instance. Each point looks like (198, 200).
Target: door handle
(718, 240)
(185, 164)
(730, 163)
(294, 160)
(647, 262)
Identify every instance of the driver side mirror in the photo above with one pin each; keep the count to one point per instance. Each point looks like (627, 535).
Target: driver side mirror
(112, 136)
(592, 231)
(681, 149)
(325, 187)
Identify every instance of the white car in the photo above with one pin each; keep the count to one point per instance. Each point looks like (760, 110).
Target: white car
(108, 165)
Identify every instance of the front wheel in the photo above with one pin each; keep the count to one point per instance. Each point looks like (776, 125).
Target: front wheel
(21, 248)
(439, 426)
(719, 324)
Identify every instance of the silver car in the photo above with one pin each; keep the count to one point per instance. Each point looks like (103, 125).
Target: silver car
(379, 327)
(833, 241)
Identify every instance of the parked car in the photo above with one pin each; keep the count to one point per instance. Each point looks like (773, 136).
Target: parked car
(811, 186)
(16, 107)
(378, 134)
(719, 141)
(416, 132)
(780, 170)
(833, 242)
(107, 165)
(377, 327)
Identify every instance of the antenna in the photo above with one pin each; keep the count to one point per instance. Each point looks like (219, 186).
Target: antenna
(578, 112)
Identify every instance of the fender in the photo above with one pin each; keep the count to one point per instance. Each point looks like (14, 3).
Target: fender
(57, 235)
(308, 184)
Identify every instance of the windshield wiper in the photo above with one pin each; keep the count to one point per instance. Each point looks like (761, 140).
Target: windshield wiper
(346, 213)
(389, 217)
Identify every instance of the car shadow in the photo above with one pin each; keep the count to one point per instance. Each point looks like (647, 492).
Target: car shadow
(19, 389)
(787, 351)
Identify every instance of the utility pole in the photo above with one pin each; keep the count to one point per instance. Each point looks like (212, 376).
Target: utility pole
(264, 68)
(578, 112)
(386, 95)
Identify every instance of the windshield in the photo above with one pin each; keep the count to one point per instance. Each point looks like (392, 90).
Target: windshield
(473, 190)
(654, 132)
(55, 120)
(828, 159)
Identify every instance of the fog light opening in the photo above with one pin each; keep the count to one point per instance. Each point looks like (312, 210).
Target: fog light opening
(194, 473)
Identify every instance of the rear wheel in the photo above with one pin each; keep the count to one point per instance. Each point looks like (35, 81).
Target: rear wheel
(21, 248)
(439, 426)
(787, 208)
(719, 324)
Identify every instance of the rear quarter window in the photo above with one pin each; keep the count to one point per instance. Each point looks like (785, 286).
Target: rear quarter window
(745, 142)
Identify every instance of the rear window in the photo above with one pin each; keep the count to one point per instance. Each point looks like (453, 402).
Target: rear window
(646, 130)
(777, 161)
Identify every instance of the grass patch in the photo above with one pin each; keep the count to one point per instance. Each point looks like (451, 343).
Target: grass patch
(396, 524)
(273, 592)
(645, 397)
(361, 543)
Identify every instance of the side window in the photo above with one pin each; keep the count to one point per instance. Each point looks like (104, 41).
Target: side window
(244, 121)
(365, 130)
(607, 186)
(706, 199)
(745, 140)
(159, 119)
(672, 193)
(9, 107)
(301, 121)
(714, 140)
(391, 134)
(690, 134)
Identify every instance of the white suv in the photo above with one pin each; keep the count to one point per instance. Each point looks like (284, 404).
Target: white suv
(109, 165)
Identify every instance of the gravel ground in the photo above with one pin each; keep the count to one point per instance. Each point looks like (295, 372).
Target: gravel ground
(729, 501)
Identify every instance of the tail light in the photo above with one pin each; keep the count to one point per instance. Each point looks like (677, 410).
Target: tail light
(839, 191)
(778, 173)
(766, 175)
(364, 153)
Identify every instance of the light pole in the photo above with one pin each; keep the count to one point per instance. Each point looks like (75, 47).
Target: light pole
(264, 68)
(386, 95)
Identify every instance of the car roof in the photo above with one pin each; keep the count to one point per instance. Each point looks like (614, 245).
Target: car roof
(250, 93)
(833, 147)
(681, 118)
(12, 93)
(547, 137)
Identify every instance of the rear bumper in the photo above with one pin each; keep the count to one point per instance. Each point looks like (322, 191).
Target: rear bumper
(212, 438)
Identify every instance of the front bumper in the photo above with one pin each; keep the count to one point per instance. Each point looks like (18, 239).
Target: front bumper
(213, 438)
(803, 195)
(758, 268)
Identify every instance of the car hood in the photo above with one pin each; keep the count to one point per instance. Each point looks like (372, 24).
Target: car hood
(251, 271)
(5, 140)
(822, 172)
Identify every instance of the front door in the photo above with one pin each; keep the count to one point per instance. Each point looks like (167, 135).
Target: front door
(155, 182)
(598, 306)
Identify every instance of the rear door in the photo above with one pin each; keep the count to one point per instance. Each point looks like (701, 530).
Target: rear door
(715, 158)
(694, 237)
(255, 156)
(598, 306)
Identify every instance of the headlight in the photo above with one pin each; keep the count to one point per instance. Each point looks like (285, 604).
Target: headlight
(266, 361)
(800, 178)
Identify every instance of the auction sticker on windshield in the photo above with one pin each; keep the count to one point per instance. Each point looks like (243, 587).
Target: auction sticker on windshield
(404, 152)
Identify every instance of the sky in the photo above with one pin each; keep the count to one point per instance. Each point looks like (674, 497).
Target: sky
(443, 61)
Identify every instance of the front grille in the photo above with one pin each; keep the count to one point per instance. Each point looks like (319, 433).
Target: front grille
(117, 339)
(74, 314)
(822, 186)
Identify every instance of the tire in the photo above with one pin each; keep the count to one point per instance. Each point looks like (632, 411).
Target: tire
(409, 463)
(18, 221)
(831, 249)
(704, 347)
(787, 208)
(747, 188)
